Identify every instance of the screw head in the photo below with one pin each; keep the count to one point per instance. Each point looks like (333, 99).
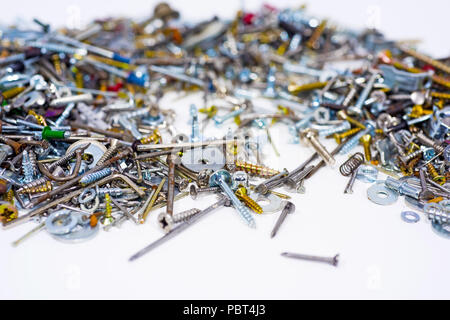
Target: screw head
(214, 180)
(165, 221)
(307, 134)
(193, 192)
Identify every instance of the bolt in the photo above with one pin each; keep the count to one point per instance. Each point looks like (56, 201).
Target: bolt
(309, 136)
(166, 222)
(333, 260)
(222, 178)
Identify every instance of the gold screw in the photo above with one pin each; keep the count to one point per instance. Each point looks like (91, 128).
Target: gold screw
(256, 170)
(435, 175)
(242, 195)
(342, 115)
(366, 140)
(339, 136)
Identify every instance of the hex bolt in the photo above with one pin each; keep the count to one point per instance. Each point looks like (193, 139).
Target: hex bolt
(195, 192)
(222, 178)
(166, 222)
(309, 137)
(332, 260)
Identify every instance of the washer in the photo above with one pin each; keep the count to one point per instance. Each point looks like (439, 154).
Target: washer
(95, 149)
(275, 202)
(380, 194)
(410, 217)
(198, 159)
(61, 222)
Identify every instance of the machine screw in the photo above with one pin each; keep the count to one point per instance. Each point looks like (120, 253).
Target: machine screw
(222, 178)
(366, 140)
(423, 139)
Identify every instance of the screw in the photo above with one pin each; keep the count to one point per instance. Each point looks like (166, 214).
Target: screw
(256, 170)
(5, 151)
(195, 129)
(166, 222)
(272, 183)
(435, 175)
(309, 136)
(342, 115)
(352, 142)
(351, 182)
(333, 260)
(242, 195)
(366, 141)
(222, 178)
(345, 126)
(423, 139)
(357, 108)
(288, 209)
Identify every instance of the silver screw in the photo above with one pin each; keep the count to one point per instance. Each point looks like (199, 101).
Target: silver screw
(333, 260)
(166, 222)
(425, 194)
(194, 191)
(222, 178)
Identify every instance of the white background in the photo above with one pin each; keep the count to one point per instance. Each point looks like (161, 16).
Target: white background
(221, 258)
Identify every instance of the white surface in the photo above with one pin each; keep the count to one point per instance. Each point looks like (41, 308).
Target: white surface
(381, 256)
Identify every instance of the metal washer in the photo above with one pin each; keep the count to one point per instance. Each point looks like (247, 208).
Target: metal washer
(410, 216)
(374, 192)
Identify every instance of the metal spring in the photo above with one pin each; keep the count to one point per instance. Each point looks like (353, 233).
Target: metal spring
(93, 177)
(352, 164)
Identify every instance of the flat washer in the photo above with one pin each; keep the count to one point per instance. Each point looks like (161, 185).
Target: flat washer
(95, 149)
(410, 216)
(381, 195)
(69, 222)
(275, 202)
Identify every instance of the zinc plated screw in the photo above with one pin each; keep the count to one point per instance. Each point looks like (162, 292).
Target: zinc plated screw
(222, 178)
(345, 126)
(309, 136)
(166, 222)
(352, 142)
(333, 260)
(357, 108)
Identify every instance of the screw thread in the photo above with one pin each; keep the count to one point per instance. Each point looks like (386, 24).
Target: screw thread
(93, 177)
(353, 142)
(249, 202)
(336, 129)
(185, 215)
(243, 210)
(257, 170)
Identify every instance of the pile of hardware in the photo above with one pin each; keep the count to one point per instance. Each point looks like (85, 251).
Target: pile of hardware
(85, 144)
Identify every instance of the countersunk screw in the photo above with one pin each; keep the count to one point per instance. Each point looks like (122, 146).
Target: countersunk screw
(166, 221)
(242, 195)
(366, 140)
(333, 260)
(194, 191)
(222, 178)
(309, 136)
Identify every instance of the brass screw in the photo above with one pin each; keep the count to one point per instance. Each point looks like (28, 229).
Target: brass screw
(342, 115)
(107, 218)
(340, 136)
(44, 187)
(366, 140)
(437, 64)
(242, 195)
(256, 170)
(435, 175)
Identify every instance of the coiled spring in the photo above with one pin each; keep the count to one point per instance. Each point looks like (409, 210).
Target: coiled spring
(353, 163)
